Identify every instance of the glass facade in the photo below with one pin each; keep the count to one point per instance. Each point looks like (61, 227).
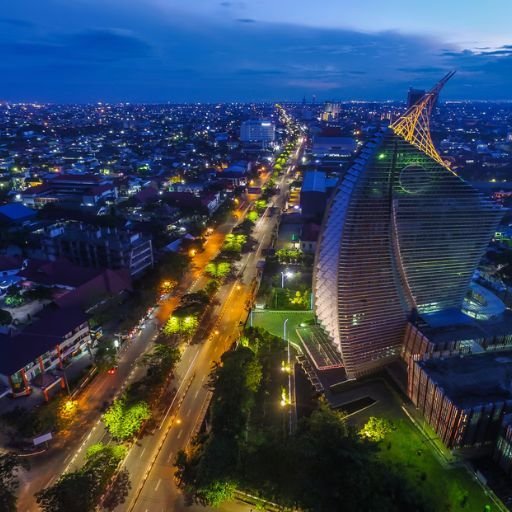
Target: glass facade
(402, 232)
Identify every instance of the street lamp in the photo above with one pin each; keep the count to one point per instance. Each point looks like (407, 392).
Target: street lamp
(286, 274)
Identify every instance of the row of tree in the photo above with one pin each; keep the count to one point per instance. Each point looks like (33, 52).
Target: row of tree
(127, 414)
(81, 490)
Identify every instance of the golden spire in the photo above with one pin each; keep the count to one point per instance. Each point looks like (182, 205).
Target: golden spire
(414, 125)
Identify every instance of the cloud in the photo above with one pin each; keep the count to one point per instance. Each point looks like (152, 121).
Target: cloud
(98, 45)
(145, 54)
(423, 69)
(107, 44)
(233, 5)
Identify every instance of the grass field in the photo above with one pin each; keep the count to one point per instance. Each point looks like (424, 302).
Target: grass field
(273, 321)
(448, 489)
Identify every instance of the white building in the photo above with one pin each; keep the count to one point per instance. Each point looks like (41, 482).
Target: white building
(258, 131)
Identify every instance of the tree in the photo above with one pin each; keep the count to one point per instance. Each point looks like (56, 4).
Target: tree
(5, 317)
(179, 325)
(217, 493)
(73, 492)
(10, 465)
(124, 419)
(234, 243)
(212, 286)
(252, 217)
(218, 270)
(376, 429)
(88, 483)
(161, 361)
(118, 492)
(14, 301)
(106, 355)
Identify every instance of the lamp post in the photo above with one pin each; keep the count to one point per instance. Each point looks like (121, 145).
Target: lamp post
(285, 336)
(286, 274)
(63, 370)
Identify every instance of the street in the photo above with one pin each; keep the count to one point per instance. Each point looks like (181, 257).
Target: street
(150, 461)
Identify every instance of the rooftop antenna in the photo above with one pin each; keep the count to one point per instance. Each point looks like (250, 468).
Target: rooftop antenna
(414, 125)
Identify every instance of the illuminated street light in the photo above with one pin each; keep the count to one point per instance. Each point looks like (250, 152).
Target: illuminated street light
(288, 274)
(69, 405)
(285, 336)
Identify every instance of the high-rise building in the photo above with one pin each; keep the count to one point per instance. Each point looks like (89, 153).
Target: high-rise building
(402, 233)
(414, 95)
(257, 131)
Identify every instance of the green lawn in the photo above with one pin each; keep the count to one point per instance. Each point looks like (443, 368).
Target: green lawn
(446, 488)
(273, 321)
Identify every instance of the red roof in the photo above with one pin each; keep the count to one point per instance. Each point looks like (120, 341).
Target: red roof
(109, 282)
(61, 272)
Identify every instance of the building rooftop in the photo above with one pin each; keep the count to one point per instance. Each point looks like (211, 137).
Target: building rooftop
(61, 272)
(37, 338)
(473, 379)
(16, 211)
(453, 325)
(314, 181)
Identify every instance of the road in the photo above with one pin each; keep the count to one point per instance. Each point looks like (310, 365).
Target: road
(150, 462)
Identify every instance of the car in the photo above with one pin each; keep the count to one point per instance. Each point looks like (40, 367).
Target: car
(112, 370)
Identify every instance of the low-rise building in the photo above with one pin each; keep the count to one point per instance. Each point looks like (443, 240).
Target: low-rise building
(29, 358)
(70, 189)
(463, 398)
(76, 286)
(316, 190)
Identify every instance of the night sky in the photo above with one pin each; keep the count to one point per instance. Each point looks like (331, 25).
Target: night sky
(207, 50)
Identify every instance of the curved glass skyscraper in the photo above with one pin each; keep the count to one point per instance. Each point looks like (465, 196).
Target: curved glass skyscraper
(402, 232)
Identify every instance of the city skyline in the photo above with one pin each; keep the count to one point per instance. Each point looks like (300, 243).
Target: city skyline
(221, 51)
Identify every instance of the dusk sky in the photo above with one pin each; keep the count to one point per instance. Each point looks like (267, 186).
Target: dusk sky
(207, 50)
